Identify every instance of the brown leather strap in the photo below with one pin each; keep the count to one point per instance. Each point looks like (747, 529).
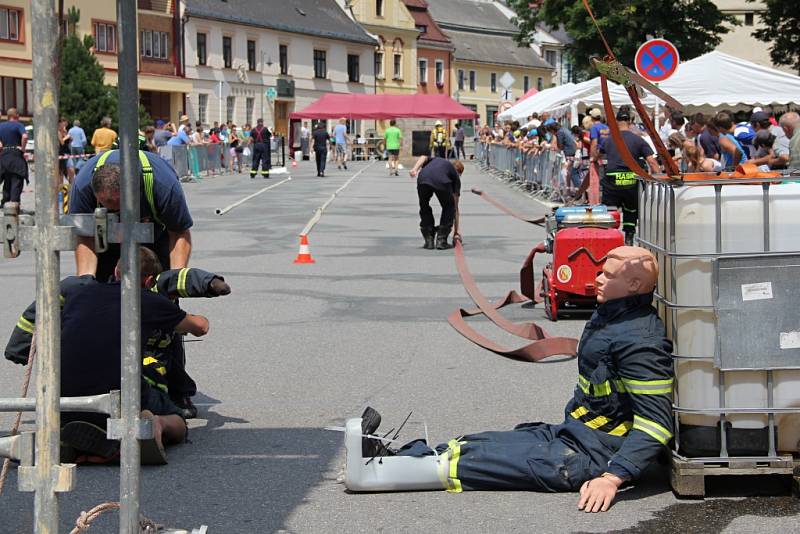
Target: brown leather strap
(539, 221)
(543, 346)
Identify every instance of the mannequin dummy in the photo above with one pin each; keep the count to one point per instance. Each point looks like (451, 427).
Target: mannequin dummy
(616, 423)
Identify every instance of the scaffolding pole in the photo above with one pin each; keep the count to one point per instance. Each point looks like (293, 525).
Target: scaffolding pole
(130, 429)
(47, 474)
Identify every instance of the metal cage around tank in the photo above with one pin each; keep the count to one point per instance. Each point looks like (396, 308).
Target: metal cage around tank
(659, 217)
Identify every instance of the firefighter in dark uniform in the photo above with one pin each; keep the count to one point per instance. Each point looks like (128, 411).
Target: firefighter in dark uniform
(438, 176)
(163, 204)
(259, 138)
(618, 421)
(13, 167)
(620, 184)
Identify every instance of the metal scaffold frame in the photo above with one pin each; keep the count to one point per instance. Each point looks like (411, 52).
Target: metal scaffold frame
(40, 470)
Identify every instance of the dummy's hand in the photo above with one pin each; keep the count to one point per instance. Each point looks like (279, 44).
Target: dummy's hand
(598, 494)
(218, 287)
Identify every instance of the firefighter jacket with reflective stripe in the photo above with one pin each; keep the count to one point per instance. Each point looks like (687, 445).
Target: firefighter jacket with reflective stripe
(625, 377)
(439, 137)
(176, 282)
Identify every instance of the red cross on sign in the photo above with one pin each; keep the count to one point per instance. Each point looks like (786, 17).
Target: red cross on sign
(657, 60)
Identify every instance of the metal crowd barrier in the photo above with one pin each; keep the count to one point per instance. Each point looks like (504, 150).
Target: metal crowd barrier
(200, 161)
(544, 175)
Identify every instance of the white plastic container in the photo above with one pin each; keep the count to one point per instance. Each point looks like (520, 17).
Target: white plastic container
(693, 331)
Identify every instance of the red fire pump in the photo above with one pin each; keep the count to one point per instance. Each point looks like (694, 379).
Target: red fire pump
(579, 238)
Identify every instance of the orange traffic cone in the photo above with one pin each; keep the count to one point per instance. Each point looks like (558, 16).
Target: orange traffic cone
(304, 256)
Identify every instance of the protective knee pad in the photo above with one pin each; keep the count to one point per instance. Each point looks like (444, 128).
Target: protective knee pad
(390, 473)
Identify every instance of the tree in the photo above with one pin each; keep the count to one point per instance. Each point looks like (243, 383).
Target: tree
(694, 26)
(84, 94)
(781, 28)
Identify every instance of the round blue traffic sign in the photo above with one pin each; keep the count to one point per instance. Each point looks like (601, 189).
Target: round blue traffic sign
(657, 60)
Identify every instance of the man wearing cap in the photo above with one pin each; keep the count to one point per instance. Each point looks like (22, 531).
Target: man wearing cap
(259, 138)
(440, 142)
(598, 134)
(620, 184)
(759, 120)
(161, 135)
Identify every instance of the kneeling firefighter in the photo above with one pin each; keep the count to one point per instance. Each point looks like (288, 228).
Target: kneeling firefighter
(438, 176)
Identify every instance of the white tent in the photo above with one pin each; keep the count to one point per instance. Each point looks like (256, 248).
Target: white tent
(543, 100)
(716, 80)
(713, 80)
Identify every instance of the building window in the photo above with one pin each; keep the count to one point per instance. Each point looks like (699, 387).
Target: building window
(227, 52)
(440, 73)
(423, 71)
(539, 83)
(154, 44)
(201, 49)
(472, 80)
(202, 105)
(378, 8)
(550, 57)
(230, 108)
(397, 72)
(249, 103)
(105, 37)
(491, 114)
(749, 18)
(353, 72)
(283, 59)
(526, 84)
(320, 64)
(10, 25)
(460, 80)
(251, 55)
(397, 63)
(421, 28)
(379, 65)
(493, 82)
(16, 93)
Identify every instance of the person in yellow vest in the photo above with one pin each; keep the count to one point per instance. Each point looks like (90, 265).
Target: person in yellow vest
(440, 141)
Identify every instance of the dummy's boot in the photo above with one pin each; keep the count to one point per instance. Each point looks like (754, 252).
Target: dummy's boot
(370, 447)
(430, 237)
(441, 238)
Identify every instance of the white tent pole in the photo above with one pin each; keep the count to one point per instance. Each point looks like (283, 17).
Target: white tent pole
(656, 121)
(573, 110)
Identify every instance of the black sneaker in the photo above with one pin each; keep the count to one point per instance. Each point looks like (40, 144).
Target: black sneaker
(345, 166)
(188, 409)
(83, 438)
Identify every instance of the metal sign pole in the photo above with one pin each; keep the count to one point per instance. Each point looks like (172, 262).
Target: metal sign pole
(129, 429)
(47, 474)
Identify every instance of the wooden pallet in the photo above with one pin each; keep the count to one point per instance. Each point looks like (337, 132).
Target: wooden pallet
(688, 478)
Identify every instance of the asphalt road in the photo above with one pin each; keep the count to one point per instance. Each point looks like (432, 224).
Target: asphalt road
(296, 348)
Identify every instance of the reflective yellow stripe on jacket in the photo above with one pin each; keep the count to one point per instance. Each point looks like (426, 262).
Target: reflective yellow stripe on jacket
(25, 325)
(453, 483)
(600, 390)
(648, 387)
(601, 422)
(652, 429)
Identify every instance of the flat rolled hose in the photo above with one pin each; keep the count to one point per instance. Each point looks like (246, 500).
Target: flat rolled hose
(543, 345)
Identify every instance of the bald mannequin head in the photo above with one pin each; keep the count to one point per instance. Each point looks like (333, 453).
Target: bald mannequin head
(628, 271)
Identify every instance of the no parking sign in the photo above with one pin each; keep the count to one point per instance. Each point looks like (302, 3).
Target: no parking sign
(657, 60)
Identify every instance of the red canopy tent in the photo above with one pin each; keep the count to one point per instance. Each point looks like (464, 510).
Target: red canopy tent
(382, 107)
(532, 91)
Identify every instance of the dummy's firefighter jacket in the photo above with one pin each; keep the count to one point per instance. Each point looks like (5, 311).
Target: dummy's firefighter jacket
(618, 420)
(187, 282)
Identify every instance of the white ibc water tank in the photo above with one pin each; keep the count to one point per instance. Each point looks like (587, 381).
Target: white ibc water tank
(693, 331)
